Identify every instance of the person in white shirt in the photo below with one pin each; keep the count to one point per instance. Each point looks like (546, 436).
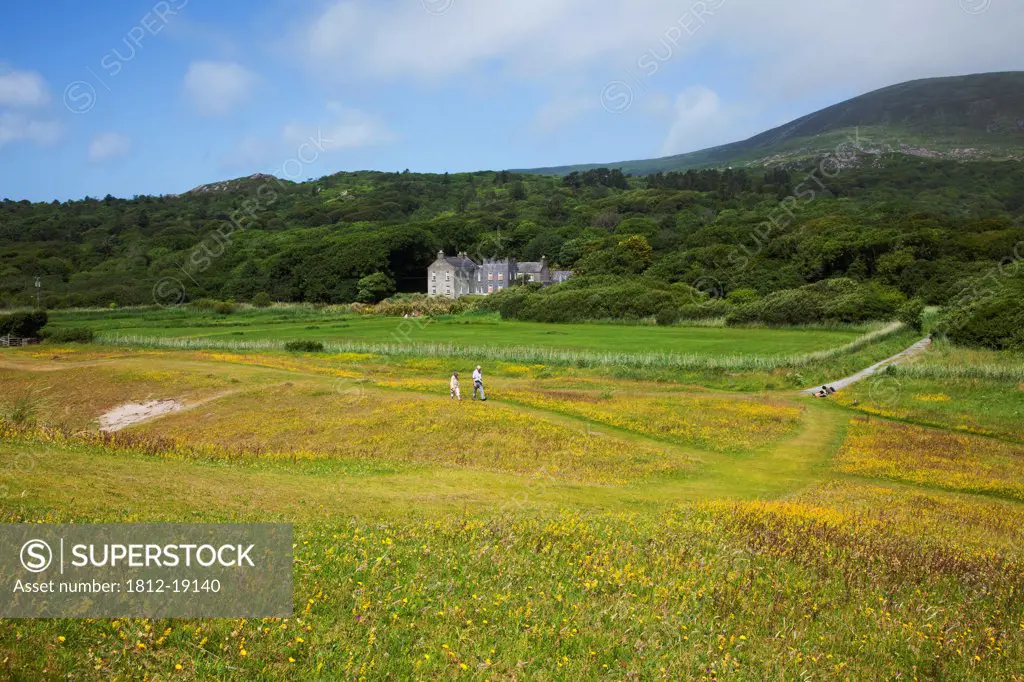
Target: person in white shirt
(478, 383)
(454, 386)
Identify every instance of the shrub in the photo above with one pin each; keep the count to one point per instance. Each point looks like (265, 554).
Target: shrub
(411, 304)
(710, 309)
(70, 335)
(204, 304)
(601, 297)
(668, 315)
(988, 314)
(224, 307)
(23, 324)
(375, 288)
(870, 301)
(508, 303)
(742, 296)
(304, 347)
(911, 314)
(832, 300)
(261, 300)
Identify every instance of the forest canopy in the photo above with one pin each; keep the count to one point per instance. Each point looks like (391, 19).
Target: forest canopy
(913, 228)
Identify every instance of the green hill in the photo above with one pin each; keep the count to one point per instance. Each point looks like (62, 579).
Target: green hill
(961, 117)
(921, 225)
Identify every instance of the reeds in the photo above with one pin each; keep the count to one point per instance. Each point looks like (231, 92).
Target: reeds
(528, 354)
(991, 372)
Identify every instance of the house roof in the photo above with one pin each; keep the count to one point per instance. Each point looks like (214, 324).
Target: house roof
(531, 267)
(463, 263)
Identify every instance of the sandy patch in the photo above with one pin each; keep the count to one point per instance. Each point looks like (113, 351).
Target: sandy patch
(132, 413)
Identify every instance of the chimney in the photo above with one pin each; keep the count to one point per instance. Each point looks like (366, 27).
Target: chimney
(440, 255)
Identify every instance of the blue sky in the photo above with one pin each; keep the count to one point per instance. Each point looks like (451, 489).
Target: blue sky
(156, 97)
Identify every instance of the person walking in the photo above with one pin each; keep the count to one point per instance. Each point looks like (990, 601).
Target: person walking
(478, 383)
(453, 385)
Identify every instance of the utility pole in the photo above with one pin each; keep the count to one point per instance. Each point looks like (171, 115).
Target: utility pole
(39, 285)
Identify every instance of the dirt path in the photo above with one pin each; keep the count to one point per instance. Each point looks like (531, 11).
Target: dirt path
(130, 414)
(126, 415)
(912, 352)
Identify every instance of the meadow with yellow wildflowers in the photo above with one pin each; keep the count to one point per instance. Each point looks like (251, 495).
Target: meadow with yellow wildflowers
(916, 454)
(575, 526)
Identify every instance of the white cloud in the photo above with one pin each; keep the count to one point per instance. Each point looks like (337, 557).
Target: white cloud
(18, 127)
(20, 92)
(106, 146)
(699, 121)
(779, 50)
(532, 36)
(342, 128)
(22, 89)
(861, 45)
(217, 88)
(339, 129)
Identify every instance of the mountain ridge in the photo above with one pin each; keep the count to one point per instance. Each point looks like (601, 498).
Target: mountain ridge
(957, 117)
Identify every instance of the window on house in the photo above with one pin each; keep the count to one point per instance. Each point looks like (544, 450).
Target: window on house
(490, 276)
(433, 277)
(433, 290)
(447, 276)
(479, 276)
(501, 276)
(490, 289)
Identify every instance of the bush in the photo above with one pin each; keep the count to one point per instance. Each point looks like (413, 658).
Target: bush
(603, 297)
(304, 347)
(742, 296)
(668, 315)
(508, 303)
(206, 304)
(70, 335)
(224, 307)
(375, 288)
(988, 314)
(911, 314)
(261, 300)
(707, 310)
(412, 304)
(831, 300)
(23, 324)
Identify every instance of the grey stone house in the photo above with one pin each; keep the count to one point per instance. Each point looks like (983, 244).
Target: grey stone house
(451, 277)
(494, 275)
(454, 277)
(534, 271)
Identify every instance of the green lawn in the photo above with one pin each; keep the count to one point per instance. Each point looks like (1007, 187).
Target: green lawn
(289, 324)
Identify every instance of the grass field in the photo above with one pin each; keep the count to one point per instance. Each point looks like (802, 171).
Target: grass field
(583, 523)
(974, 391)
(289, 324)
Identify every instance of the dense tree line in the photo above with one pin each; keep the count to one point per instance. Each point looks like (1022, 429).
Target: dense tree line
(919, 227)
